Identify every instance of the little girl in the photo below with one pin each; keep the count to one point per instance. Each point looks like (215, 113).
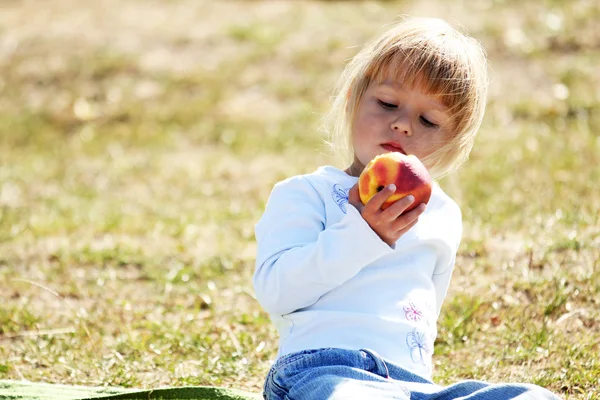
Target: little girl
(355, 291)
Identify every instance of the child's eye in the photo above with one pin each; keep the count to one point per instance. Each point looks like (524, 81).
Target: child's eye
(389, 106)
(427, 122)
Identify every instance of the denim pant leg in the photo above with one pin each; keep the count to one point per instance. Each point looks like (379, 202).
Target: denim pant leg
(476, 390)
(331, 374)
(421, 389)
(347, 374)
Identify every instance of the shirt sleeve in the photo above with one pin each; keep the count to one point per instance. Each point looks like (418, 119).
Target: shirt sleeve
(299, 258)
(441, 282)
(443, 273)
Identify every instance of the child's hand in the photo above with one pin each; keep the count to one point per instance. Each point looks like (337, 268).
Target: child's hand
(390, 223)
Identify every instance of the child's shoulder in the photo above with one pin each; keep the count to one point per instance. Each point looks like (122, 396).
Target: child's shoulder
(322, 177)
(316, 188)
(440, 200)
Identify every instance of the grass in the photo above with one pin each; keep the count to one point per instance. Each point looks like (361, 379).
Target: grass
(139, 142)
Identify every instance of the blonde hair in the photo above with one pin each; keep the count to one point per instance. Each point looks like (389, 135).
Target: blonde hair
(424, 52)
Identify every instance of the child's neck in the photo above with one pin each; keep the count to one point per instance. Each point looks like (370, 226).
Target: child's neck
(355, 169)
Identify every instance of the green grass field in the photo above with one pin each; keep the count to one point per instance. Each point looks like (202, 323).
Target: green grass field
(139, 142)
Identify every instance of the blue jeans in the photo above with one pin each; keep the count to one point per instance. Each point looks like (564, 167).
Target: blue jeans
(341, 374)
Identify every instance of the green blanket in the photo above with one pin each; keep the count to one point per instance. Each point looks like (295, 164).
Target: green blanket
(23, 390)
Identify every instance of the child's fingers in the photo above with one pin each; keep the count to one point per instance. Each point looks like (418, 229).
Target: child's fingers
(378, 199)
(354, 197)
(405, 221)
(407, 227)
(399, 206)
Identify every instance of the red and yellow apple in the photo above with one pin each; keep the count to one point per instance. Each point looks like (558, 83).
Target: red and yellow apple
(407, 172)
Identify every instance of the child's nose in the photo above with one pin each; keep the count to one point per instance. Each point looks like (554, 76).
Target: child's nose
(402, 125)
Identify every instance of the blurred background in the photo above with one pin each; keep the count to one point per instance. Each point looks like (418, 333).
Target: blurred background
(139, 141)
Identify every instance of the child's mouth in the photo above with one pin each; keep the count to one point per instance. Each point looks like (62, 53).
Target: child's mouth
(392, 147)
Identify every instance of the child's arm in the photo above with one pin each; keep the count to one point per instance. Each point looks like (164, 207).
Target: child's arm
(298, 259)
(441, 282)
(452, 225)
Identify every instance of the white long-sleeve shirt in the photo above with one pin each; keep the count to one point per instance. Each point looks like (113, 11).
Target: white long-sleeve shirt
(328, 280)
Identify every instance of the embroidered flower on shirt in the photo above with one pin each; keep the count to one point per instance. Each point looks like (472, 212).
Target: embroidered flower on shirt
(340, 196)
(412, 313)
(417, 344)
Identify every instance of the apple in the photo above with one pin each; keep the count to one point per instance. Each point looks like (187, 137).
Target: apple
(407, 172)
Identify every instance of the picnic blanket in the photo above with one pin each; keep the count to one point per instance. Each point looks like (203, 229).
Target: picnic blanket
(25, 390)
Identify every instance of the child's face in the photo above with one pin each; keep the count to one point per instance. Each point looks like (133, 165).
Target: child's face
(391, 117)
